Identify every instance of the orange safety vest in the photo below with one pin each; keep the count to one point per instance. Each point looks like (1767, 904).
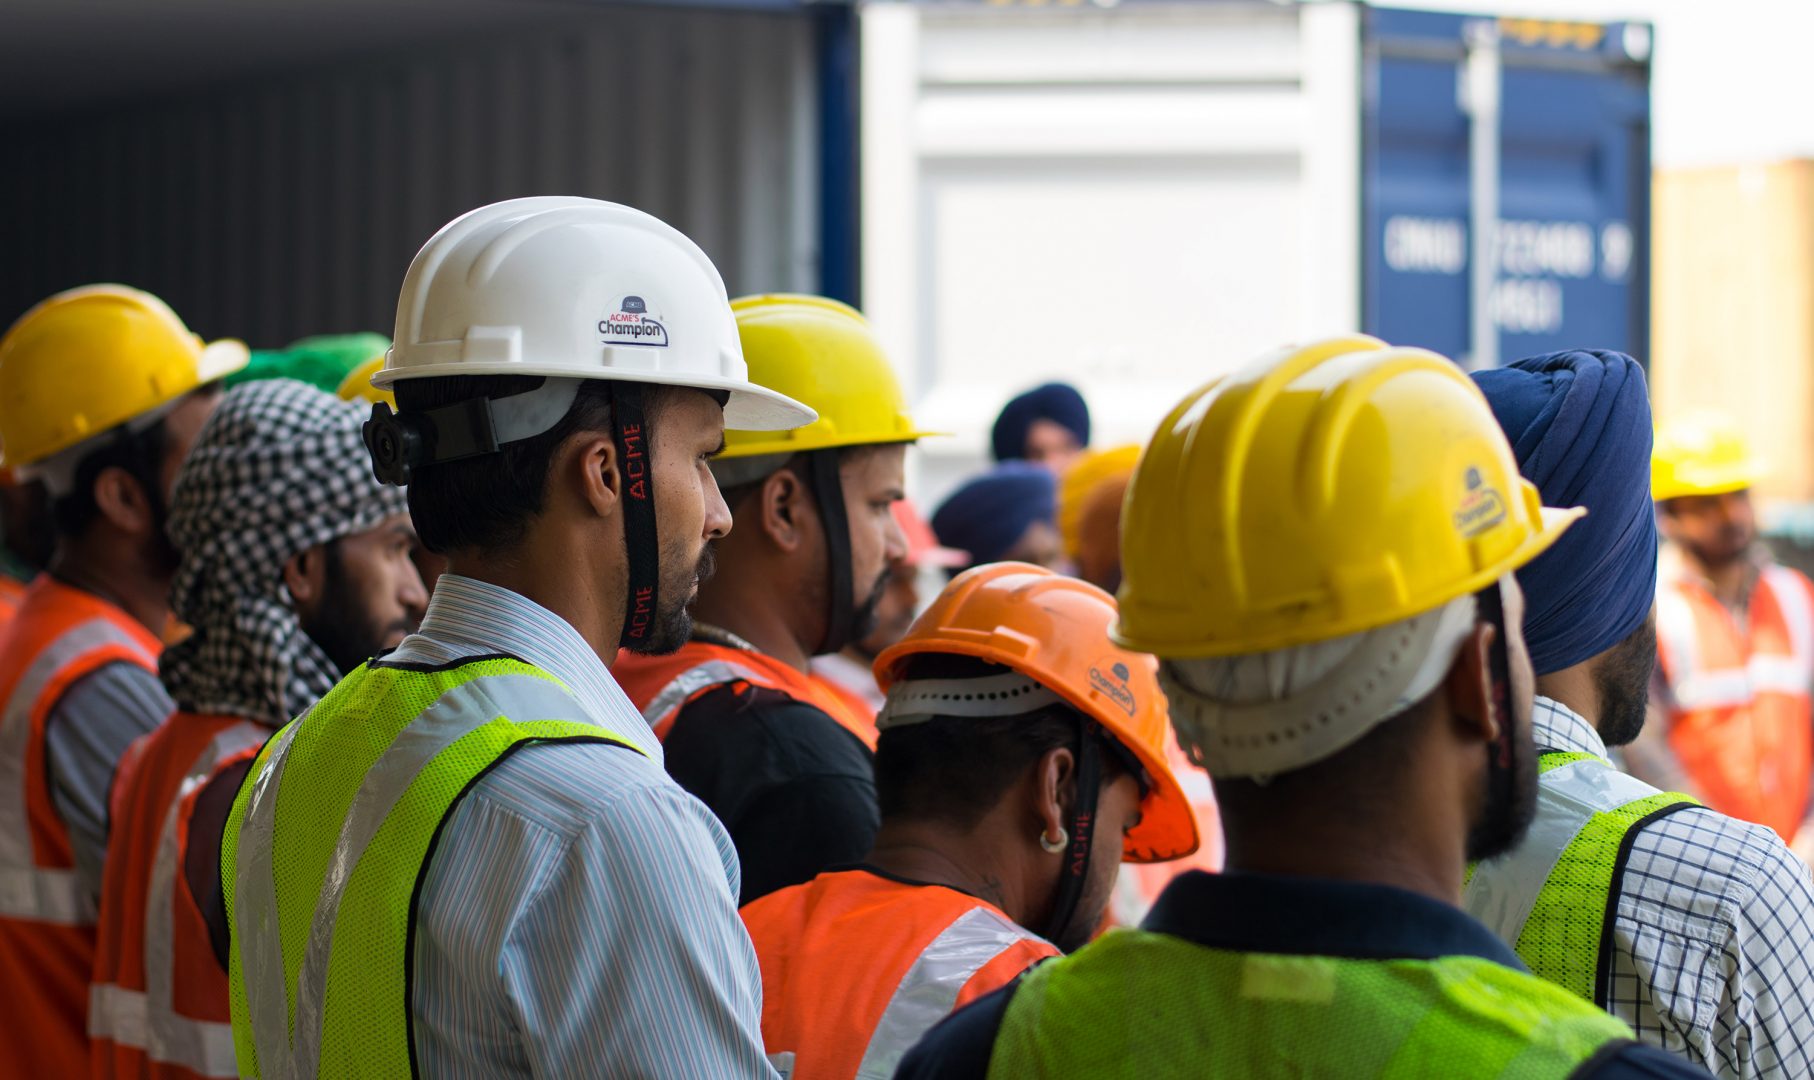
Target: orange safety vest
(158, 1005)
(12, 594)
(47, 920)
(857, 966)
(1138, 885)
(1739, 718)
(661, 685)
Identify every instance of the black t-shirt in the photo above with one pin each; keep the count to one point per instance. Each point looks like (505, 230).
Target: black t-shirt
(794, 788)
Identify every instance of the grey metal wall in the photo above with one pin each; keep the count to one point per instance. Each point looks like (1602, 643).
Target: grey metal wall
(292, 205)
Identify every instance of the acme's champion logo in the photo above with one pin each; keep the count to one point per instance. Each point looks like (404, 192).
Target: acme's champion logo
(632, 324)
(1115, 691)
(1481, 508)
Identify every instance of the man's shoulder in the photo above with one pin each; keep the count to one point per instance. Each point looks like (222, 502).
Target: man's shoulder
(565, 786)
(739, 718)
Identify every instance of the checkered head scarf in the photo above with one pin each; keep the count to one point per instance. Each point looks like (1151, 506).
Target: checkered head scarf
(278, 469)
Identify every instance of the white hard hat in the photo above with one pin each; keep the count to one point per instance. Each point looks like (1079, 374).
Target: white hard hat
(578, 288)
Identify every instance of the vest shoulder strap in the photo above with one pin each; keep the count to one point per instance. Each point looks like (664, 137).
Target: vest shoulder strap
(1554, 897)
(475, 715)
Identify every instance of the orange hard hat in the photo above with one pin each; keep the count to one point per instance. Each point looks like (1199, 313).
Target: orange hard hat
(1055, 630)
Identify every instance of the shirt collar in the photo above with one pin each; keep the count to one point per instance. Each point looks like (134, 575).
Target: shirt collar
(1555, 726)
(470, 617)
(1265, 913)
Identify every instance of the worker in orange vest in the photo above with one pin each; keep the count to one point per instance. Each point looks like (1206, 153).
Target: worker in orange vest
(1735, 639)
(102, 389)
(1014, 736)
(780, 755)
(296, 568)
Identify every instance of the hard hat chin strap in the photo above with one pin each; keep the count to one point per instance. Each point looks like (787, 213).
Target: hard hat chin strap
(642, 542)
(1076, 869)
(828, 493)
(1501, 769)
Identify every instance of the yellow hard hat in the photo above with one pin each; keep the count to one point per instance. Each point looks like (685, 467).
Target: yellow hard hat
(93, 358)
(357, 386)
(1090, 471)
(1701, 453)
(821, 353)
(1319, 492)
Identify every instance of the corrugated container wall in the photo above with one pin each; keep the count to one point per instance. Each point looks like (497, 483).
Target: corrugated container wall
(291, 205)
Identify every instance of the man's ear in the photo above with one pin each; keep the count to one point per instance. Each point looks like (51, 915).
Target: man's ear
(305, 575)
(1469, 686)
(785, 509)
(1054, 791)
(592, 459)
(124, 502)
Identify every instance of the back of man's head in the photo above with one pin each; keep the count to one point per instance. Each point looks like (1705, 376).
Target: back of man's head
(484, 504)
(954, 770)
(1579, 423)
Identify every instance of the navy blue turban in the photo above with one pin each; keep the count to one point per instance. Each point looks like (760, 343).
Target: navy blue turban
(989, 514)
(1056, 401)
(1579, 423)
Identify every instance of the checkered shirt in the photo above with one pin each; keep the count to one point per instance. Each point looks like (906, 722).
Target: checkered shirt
(279, 468)
(1714, 934)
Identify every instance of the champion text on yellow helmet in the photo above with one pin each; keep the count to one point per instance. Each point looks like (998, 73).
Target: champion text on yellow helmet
(90, 359)
(1320, 491)
(819, 351)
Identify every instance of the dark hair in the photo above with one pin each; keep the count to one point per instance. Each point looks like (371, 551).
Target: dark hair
(485, 503)
(955, 769)
(1365, 775)
(140, 453)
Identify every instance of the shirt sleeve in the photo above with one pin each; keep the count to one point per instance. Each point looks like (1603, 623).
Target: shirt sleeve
(85, 735)
(1765, 1023)
(577, 921)
(793, 787)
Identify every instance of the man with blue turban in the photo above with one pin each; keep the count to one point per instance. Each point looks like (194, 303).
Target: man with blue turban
(1008, 514)
(1048, 425)
(1693, 927)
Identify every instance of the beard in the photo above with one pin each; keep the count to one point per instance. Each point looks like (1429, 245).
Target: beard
(673, 610)
(863, 620)
(344, 629)
(1511, 799)
(1623, 682)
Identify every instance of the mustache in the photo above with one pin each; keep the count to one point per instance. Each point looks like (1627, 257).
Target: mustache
(708, 563)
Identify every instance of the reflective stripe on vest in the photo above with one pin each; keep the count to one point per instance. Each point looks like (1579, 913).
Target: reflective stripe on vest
(29, 891)
(457, 712)
(690, 682)
(1550, 898)
(1134, 1003)
(147, 1020)
(929, 990)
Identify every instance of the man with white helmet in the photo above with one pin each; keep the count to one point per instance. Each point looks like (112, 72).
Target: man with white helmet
(467, 858)
(1320, 550)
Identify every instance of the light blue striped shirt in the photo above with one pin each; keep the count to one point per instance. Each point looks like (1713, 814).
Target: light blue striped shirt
(579, 914)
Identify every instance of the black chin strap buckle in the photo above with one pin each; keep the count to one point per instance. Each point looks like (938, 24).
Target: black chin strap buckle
(397, 445)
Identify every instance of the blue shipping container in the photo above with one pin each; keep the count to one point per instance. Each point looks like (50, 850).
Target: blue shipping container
(1570, 132)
